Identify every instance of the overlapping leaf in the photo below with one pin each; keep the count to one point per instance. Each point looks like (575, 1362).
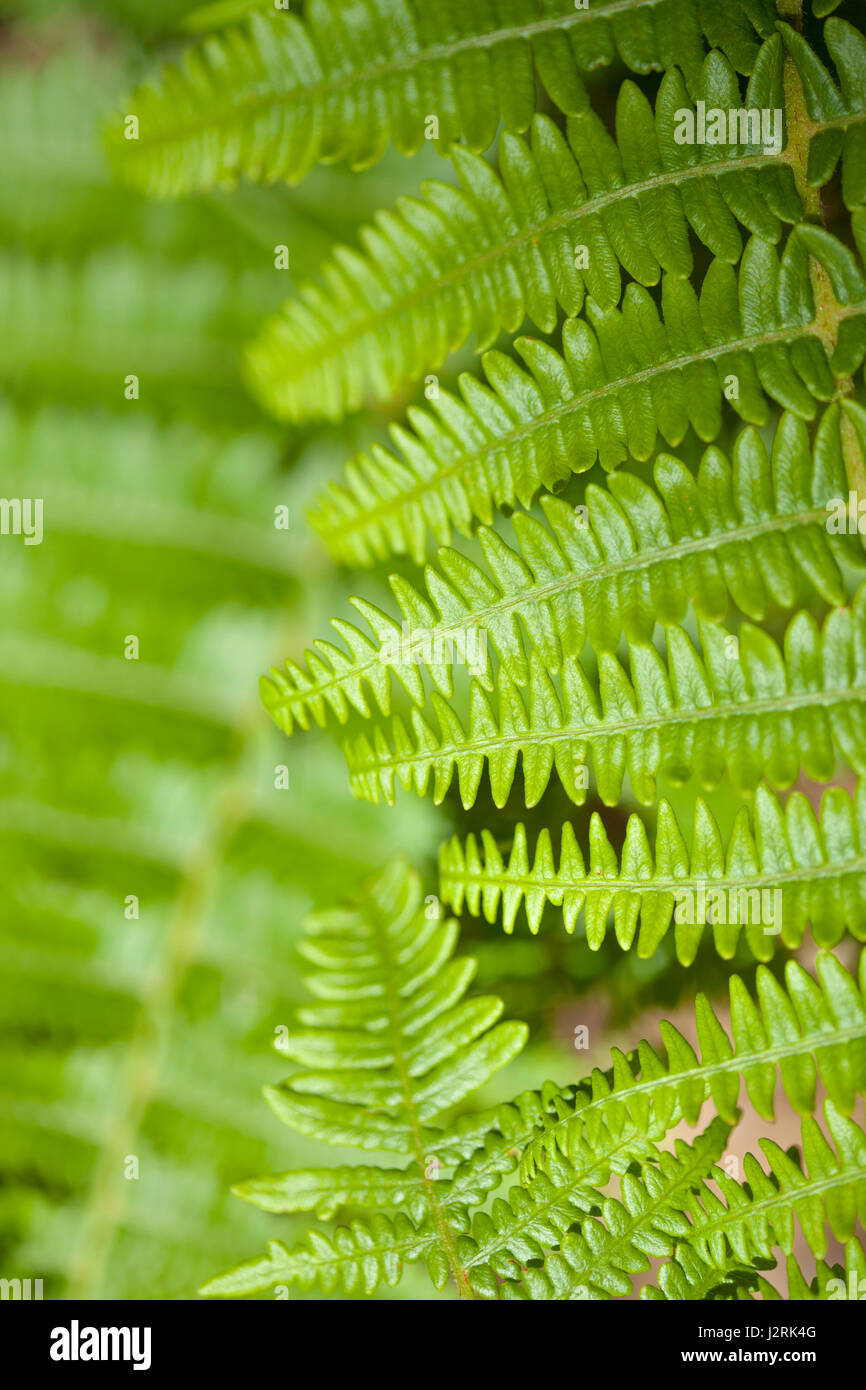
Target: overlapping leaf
(671, 1201)
(744, 707)
(625, 377)
(392, 1043)
(627, 559)
(267, 100)
(800, 1033)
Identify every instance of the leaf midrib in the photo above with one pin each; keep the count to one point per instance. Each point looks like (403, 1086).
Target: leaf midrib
(334, 345)
(604, 730)
(380, 71)
(598, 883)
(537, 593)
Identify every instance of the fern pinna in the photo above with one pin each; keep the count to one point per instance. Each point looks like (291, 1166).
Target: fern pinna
(392, 1043)
(632, 664)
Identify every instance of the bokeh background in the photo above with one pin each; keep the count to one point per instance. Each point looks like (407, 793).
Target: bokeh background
(148, 1037)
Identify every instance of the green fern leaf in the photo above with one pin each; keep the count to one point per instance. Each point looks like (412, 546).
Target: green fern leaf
(596, 1256)
(630, 558)
(830, 1189)
(688, 1278)
(558, 1233)
(269, 99)
(389, 1045)
(807, 1030)
(670, 1201)
(473, 259)
(748, 711)
(550, 1240)
(385, 970)
(815, 866)
(621, 382)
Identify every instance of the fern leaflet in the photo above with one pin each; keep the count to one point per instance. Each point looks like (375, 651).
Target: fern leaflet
(752, 712)
(627, 559)
(625, 377)
(561, 218)
(837, 111)
(270, 98)
(817, 868)
(805, 1031)
(556, 1233)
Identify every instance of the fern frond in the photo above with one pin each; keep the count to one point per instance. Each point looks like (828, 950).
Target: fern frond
(389, 1045)
(572, 1142)
(838, 111)
(813, 868)
(270, 98)
(630, 558)
(625, 377)
(474, 259)
(671, 1200)
(594, 1256)
(745, 707)
(553, 1238)
(829, 1190)
(688, 1278)
(373, 1250)
(392, 1043)
(808, 1029)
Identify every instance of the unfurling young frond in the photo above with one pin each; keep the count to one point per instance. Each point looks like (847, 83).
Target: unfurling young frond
(745, 707)
(269, 99)
(627, 559)
(625, 377)
(778, 871)
(388, 1047)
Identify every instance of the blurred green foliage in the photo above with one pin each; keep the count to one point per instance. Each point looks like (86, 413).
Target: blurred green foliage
(139, 1044)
